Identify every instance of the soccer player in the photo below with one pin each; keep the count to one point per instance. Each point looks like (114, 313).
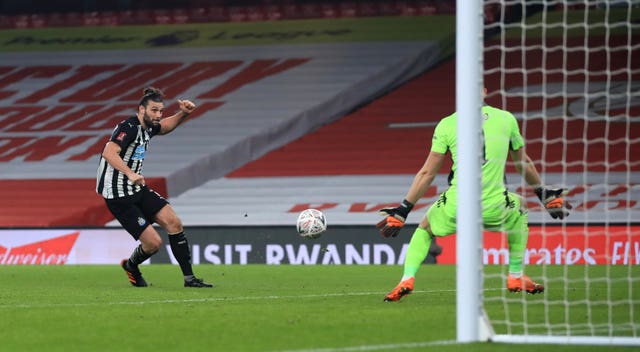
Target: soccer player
(132, 203)
(501, 210)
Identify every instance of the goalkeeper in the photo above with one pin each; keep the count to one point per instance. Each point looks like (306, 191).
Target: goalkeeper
(501, 210)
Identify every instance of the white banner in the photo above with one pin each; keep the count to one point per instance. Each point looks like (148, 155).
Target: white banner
(59, 247)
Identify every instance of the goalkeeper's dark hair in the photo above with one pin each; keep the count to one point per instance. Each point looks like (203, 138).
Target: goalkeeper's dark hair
(153, 94)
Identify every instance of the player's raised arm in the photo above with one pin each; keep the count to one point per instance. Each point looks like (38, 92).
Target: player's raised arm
(170, 123)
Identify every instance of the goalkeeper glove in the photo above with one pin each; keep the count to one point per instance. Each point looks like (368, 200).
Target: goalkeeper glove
(553, 202)
(394, 219)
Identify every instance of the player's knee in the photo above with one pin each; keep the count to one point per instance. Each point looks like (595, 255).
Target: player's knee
(169, 220)
(174, 225)
(424, 224)
(154, 246)
(429, 231)
(150, 240)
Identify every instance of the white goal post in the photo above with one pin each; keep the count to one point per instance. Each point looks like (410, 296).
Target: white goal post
(568, 71)
(468, 103)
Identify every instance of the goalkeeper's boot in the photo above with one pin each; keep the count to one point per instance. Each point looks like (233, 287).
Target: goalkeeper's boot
(134, 275)
(517, 284)
(404, 288)
(195, 282)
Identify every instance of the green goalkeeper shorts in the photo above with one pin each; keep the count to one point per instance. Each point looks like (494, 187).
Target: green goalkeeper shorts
(505, 214)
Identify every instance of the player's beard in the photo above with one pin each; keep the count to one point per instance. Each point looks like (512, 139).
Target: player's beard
(149, 121)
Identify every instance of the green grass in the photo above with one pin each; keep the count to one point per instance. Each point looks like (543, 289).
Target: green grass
(253, 308)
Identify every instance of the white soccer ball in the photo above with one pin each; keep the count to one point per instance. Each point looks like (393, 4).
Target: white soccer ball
(311, 223)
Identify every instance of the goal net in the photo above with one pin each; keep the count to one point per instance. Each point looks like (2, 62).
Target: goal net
(570, 73)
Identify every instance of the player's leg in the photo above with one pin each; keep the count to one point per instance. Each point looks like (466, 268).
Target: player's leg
(516, 225)
(150, 242)
(416, 254)
(134, 222)
(418, 249)
(435, 222)
(166, 217)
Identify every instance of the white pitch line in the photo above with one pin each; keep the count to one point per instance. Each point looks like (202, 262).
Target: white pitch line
(203, 300)
(393, 346)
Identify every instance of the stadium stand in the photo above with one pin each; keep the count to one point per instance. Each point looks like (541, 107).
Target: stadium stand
(347, 167)
(60, 111)
(21, 14)
(338, 126)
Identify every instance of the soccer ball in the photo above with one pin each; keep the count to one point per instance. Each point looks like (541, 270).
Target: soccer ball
(311, 223)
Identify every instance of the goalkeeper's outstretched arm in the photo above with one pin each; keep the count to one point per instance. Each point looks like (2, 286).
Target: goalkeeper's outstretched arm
(395, 217)
(425, 176)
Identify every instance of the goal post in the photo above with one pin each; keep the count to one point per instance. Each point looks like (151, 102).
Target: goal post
(468, 104)
(567, 70)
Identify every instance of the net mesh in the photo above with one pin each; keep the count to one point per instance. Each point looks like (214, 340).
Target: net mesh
(570, 72)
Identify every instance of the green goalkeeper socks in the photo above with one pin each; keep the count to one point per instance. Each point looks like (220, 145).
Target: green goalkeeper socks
(517, 239)
(417, 252)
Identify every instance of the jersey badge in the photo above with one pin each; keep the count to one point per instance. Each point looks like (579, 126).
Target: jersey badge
(139, 152)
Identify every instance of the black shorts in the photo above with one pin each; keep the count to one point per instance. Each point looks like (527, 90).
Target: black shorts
(138, 211)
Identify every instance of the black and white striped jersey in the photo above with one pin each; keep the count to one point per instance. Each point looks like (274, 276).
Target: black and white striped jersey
(134, 141)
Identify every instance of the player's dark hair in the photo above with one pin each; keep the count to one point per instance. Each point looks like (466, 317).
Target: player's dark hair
(151, 93)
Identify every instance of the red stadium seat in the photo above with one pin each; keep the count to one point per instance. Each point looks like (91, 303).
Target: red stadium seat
(56, 19)
(348, 9)
(73, 19)
(126, 18)
(256, 13)
(218, 14)
(161, 16)
(109, 18)
(91, 19)
(143, 17)
(38, 21)
(198, 15)
(311, 10)
(5, 22)
(21, 21)
(291, 11)
(180, 16)
(238, 14)
(273, 12)
(366, 9)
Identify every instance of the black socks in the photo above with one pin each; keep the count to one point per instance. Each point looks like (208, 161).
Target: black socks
(180, 249)
(138, 256)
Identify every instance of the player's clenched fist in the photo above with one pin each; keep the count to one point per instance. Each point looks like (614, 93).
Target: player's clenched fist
(186, 106)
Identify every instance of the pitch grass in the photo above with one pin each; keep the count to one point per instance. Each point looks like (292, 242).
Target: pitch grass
(252, 308)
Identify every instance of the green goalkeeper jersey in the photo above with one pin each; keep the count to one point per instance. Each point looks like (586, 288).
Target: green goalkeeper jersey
(500, 133)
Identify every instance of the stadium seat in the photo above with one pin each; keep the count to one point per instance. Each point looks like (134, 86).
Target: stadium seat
(73, 19)
(198, 15)
(162, 16)
(56, 19)
(6, 22)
